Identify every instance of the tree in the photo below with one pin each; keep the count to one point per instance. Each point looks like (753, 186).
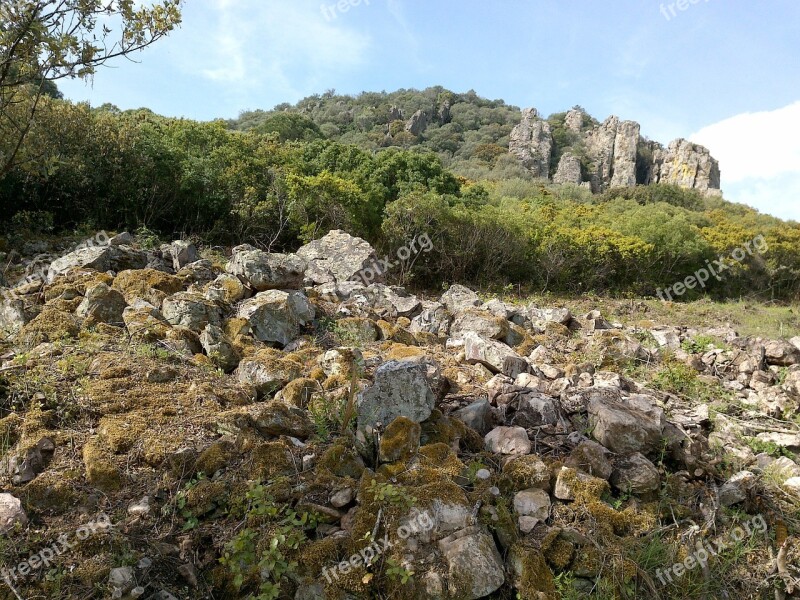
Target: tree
(44, 41)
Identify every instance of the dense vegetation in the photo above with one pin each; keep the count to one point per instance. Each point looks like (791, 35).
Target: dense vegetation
(277, 179)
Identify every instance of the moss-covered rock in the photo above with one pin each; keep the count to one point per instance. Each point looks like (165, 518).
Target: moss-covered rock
(400, 441)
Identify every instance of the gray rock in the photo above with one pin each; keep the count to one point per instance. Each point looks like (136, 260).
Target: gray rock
(418, 123)
(434, 319)
(634, 474)
(264, 271)
(531, 141)
(122, 580)
(569, 169)
(99, 258)
(191, 310)
(400, 388)
(12, 315)
(667, 337)
(566, 480)
(477, 416)
(266, 374)
(781, 353)
(458, 298)
(508, 440)
(277, 419)
(532, 503)
(612, 149)
(121, 239)
(487, 352)
(533, 409)
(628, 425)
(180, 253)
(339, 257)
(549, 315)
(481, 322)
(687, 165)
(276, 316)
(226, 289)
(475, 566)
(23, 467)
(737, 488)
(11, 513)
(219, 348)
(199, 272)
(102, 304)
(592, 459)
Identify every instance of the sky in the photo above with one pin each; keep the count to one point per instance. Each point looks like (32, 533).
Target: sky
(723, 73)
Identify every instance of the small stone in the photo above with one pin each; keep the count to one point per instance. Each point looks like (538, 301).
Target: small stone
(140, 508)
(508, 440)
(342, 498)
(483, 474)
(532, 503)
(11, 513)
(736, 489)
(527, 524)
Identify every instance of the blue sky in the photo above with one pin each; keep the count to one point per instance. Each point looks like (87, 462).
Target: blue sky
(725, 73)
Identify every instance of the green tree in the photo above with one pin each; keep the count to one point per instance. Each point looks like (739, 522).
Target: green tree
(44, 41)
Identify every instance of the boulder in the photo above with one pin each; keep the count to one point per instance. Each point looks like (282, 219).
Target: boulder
(569, 170)
(277, 419)
(338, 257)
(434, 319)
(781, 353)
(627, 425)
(475, 568)
(180, 253)
(268, 371)
(534, 502)
(265, 271)
(477, 416)
(487, 352)
(99, 258)
(399, 388)
(219, 348)
(12, 315)
(458, 298)
(191, 310)
(592, 459)
(481, 322)
(737, 488)
(276, 316)
(634, 474)
(531, 141)
(508, 440)
(102, 304)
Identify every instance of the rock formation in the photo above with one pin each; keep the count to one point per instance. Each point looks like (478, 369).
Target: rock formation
(617, 154)
(532, 143)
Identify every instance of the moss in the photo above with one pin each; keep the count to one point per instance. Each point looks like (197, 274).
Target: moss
(271, 460)
(318, 375)
(560, 554)
(101, 472)
(438, 429)
(322, 553)
(532, 576)
(120, 433)
(442, 458)
(343, 461)
(75, 282)
(400, 441)
(356, 330)
(299, 391)
(206, 496)
(394, 351)
(9, 430)
(54, 492)
(525, 472)
(147, 284)
(50, 325)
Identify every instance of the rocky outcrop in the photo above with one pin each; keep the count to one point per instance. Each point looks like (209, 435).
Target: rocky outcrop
(532, 143)
(569, 169)
(616, 153)
(418, 123)
(687, 165)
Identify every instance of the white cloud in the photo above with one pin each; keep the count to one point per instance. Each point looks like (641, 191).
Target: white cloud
(759, 156)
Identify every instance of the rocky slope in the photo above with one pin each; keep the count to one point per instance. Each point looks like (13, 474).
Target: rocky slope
(246, 424)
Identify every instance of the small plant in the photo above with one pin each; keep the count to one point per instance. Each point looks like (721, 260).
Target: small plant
(698, 344)
(181, 500)
(397, 572)
(390, 494)
(147, 238)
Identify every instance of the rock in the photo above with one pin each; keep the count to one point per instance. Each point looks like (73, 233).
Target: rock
(418, 123)
(226, 289)
(339, 257)
(527, 524)
(199, 272)
(264, 271)
(627, 425)
(24, 466)
(180, 253)
(508, 440)
(793, 485)
(391, 301)
(475, 568)
(531, 141)
(219, 348)
(11, 513)
(574, 119)
(780, 353)
(121, 239)
(267, 371)
(591, 458)
(342, 498)
(532, 503)
(145, 322)
(737, 488)
(122, 580)
(783, 468)
(549, 315)
(12, 315)
(667, 337)
(277, 419)
(340, 361)
(400, 388)
(533, 409)
(525, 472)
(487, 352)
(400, 441)
(481, 322)
(612, 150)
(102, 304)
(191, 310)
(569, 170)
(99, 258)
(477, 416)
(276, 316)
(434, 319)
(687, 165)
(634, 474)
(458, 298)
(140, 508)
(569, 482)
